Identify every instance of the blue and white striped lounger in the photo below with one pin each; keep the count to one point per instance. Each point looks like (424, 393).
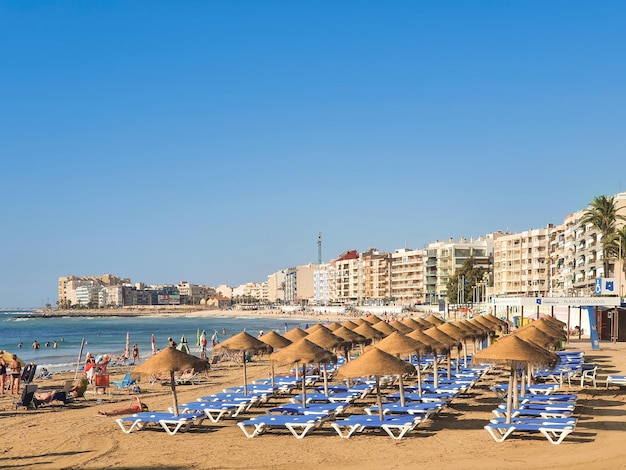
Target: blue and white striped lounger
(214, 410)
(168, 421)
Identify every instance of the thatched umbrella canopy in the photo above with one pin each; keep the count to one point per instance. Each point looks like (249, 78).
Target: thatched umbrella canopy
(349, 324)
(303, 352)
(276, 341)
(398, 344)
(513, 351)
(325, 338)
(537, 336)
(459, 333)
(170, 360)
(313, 328)
(498, 321)
(492, 327)
(414, 324)
(242, 343)
(373, 319)
(369, 331)
(434, 345)
(384, 327)
(434, 320)
(359, 321)
(448, 341)
(334, 326)
(557, 323)
(546, 328)
(295, 334)
(401, 327)
(377, 363)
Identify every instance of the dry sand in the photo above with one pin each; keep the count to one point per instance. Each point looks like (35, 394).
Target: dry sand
(74, 436)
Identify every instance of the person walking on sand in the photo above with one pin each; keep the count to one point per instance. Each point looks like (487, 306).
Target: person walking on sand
(3, 372)
(16, 374)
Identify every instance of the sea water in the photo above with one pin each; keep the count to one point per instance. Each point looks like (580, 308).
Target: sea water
(107, 335)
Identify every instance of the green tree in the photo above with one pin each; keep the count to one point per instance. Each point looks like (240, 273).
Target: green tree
(602, 216)
(468, 275)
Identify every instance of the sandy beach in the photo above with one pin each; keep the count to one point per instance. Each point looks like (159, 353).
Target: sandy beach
(75, 436)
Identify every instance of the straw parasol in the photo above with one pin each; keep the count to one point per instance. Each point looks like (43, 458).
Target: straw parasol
(384, 327)
(546, 328)
(414, 324)
(448, 341)
(377, 363)
(537, 336)
(372, 319)
(324, 338)
(513, 351)
(304, 352)
(8, 358)
(397, 344)
(349, 324)
(434, 320)
(334, 326)
(242, 343)
(315, 327)
(369, 331)
(170, 360)
(460, 335)
(295, 334)
(401, 327)
(276, 341)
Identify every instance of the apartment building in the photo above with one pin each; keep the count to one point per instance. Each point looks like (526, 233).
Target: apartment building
(407, 276)
(276, 286)
(442, 259)
(375, 274)
(521, 263)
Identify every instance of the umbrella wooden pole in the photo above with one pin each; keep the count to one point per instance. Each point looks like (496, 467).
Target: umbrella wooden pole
(435, 369)
(273, 376)
(458, 358)
(402, 399)
(175, 398)
(465, 352)
(509, 396)
(450, 364)
(419, 374)
(245, 375)
(325, 379)
(379, 401)
(515, 385)
(304, 385)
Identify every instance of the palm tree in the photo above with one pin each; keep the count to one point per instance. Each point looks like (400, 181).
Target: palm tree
(602, 215)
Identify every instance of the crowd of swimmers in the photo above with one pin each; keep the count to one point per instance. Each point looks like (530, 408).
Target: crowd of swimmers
(47, 344)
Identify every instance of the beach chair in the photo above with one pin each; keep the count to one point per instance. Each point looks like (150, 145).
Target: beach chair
(554, 430)
(396, 426)
(125, 384)
(618, 380)
(298, 425)
(588, 373)
(423, 409)
(168, 421)
(27, 399)
(330, 410)
(28, 373)
(186, 378)
(214, 410)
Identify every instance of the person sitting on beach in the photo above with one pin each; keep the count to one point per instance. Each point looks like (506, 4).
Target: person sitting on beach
(172, 342)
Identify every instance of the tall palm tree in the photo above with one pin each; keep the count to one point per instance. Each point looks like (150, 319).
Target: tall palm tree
(602, 215)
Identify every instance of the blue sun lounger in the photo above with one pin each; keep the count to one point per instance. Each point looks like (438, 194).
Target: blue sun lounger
(214, 410)
(396, 426)
(554, 430)
(425, 410)
(326, 409)
(298, 425)
(168, 421)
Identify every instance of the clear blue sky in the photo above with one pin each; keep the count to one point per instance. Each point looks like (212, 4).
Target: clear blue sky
(211, 141)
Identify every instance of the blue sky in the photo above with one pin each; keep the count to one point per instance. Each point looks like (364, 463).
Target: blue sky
(212, 141)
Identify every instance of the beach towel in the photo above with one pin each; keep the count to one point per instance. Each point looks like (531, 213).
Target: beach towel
(135, 406)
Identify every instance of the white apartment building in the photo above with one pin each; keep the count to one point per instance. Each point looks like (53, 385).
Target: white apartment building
(321, 284)
(521, 263)
(276, 286)
(375, 267)
(407, 277)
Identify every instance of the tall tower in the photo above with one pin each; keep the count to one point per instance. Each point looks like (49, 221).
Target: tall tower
(319, 248)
